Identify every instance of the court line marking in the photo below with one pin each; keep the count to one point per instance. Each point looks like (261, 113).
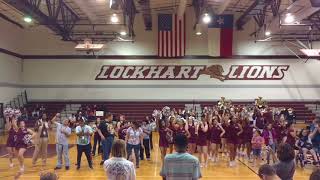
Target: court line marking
(248, 167)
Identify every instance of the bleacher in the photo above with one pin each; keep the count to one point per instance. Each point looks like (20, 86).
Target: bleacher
(139, 110)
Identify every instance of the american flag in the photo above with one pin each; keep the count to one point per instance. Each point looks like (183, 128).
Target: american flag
(171, 35)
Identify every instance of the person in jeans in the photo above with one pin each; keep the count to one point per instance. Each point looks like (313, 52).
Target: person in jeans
(146, 128)
(134, 139)
(96, 137)
(180, 165)
(84, 133)
(106, 132)
(41, 140)
(118, 167)
(62, 146)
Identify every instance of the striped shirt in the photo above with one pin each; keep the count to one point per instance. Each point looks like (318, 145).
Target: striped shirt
(181, 166)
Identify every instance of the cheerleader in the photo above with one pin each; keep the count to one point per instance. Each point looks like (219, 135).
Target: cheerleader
(165, 138)
(233, 132)
(172, 127)
(202, 146)
(191, 128)
(247, 135)
(24, 136)
(11, 127)
(180, 128)
(224, 125)
(217, 132)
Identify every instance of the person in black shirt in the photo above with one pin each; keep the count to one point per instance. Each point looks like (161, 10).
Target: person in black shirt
(106, 132)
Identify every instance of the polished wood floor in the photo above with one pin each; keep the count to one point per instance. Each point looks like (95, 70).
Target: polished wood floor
(148, 169)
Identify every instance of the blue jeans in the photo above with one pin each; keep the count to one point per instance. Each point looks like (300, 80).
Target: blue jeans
(136, 149)
(62, 149)
(106, 147)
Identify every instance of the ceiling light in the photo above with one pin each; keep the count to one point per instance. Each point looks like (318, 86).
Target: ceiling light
(27, 19)
(267, 33)
(206, 18)
(198, 29)
(114, 18)
(289, 18)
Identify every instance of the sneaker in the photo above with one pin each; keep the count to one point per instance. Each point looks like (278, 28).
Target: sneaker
(67, 168)
(90, 166)
(137, 166)
(201, 165)
(57, 168)
(22, 169)
(11, 165)
(148, 159)
(101, 163)
(78, 167)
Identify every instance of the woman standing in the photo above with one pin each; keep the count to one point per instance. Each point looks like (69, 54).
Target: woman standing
(24, 136)
(233, 131)
(224, 125)
(247, 136)
(202, 145)
(217, 132)
(134, 139)
(96, 138)
(165, 136)
(172, 127)
(191, 128)
(118, 167)
(11, 126)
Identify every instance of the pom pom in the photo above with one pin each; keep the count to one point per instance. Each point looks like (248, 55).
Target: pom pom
(166, 111)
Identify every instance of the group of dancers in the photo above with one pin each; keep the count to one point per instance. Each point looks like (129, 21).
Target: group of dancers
(244, 131)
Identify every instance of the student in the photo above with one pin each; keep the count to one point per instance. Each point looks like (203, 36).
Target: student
(270, 136)
(191, 128)
(118, 167)
(286, 167)
(107, 132)
(62, 147)
(217, 132)
(165, 137)
(202, 145)
(257, 143)
(181, 165)
(96, 137)
(146, 128)
(11, 126)
(134, 139)
(24, 137)
(233, 132)
(84, 133)
(267, 172)
(305, 144)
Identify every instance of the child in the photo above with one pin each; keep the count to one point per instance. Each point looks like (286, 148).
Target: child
(304, 144)
(257, 143)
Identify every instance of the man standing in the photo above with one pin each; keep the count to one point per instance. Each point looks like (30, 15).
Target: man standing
(84, 133)
(180, 165)
(106, 132)
(62, 146)
(41, 140)
(146, 128)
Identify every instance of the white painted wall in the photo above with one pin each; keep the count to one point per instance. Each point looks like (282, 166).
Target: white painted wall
(75, 80)
(10, 77)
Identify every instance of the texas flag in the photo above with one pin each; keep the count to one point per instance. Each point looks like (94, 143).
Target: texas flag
(220, 35)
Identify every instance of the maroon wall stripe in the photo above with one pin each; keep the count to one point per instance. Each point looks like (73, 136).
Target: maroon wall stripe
(185, 29)
(226, 38)
(180, 36)
(167, 43)
(176, 36)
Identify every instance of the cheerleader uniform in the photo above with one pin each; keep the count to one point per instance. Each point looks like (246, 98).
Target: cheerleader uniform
(280, 131)
(215, 135)
(224, 126)
(163, 142)
(23, 139)
(12, 138)
(232, 131)
(173, 129)
(193, 136)
(202, 136)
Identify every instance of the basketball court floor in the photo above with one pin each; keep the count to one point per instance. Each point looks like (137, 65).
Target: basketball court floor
(148, 169)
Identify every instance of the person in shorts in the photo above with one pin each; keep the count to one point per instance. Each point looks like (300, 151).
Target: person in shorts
(257, 143)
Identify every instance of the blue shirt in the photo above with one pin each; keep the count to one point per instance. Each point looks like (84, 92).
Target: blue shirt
(62, 134)
(181, 166)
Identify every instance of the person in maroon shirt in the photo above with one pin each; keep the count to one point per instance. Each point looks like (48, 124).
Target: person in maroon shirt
(217, 132)
(247, 135)
(224, 125)
(202, 145)
(191, 128)
(291, 136)
(23, 141)
(280, 129)
(11, 127)
(233, 132)
(210, 126)
(165, 135)
(172, 127)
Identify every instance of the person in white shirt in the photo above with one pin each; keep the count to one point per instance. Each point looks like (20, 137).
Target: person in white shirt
(117, 167)
(62, 146)
(84, 133)
(134, 139)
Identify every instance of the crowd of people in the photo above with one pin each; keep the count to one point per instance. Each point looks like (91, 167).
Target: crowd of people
(255, 132)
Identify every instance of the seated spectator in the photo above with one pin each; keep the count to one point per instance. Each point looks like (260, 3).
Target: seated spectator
(315, 175)
(285, 169)
(315, 135)
(267, 172)
(180, 165)
(117, 167)
(49, 176)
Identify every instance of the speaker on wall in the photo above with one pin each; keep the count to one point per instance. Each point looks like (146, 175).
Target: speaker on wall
(315, 3)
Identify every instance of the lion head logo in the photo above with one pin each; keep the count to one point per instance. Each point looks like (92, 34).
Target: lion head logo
(214, 71)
